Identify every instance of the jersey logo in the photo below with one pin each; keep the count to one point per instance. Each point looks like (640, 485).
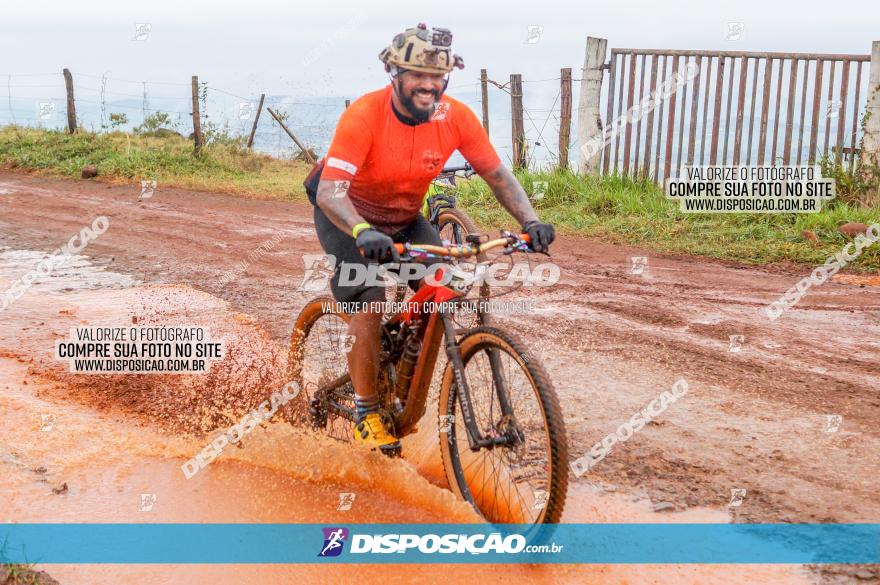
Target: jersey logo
(338, 163)
(440, 112)
(432, 161)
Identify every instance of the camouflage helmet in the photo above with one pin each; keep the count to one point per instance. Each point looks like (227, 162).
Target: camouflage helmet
(421, 49)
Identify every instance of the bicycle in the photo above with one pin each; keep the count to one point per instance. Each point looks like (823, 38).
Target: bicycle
(451, 223)
(488, 386)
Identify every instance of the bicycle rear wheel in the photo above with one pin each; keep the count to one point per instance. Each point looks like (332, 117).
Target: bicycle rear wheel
(524, 483)
(317, 361)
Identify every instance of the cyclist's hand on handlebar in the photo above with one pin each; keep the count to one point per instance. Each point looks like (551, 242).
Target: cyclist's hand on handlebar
(376, 246)
(541, 235)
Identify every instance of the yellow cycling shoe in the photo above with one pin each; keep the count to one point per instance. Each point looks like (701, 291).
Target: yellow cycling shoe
(373, 433)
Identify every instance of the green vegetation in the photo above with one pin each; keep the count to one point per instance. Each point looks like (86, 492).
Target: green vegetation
(118, 119)
(635, 212)
(155, 153)
(153, 123)
(14, 574)
(612, 208)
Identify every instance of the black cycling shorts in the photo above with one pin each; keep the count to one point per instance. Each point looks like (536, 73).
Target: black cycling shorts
(342, 246)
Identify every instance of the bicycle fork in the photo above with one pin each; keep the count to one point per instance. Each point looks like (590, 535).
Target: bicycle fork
(476, 440)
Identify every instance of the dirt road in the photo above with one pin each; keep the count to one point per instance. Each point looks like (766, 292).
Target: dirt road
(787, 412)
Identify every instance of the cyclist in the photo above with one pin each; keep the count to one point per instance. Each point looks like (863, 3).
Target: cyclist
(367, 191)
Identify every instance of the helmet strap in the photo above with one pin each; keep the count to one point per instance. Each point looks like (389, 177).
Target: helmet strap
(394, 76)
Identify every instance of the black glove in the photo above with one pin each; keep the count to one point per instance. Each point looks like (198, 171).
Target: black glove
(376, 246)
(541, 235)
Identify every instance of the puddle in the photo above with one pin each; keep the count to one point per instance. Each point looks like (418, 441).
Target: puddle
(117, 442)
(77, 273)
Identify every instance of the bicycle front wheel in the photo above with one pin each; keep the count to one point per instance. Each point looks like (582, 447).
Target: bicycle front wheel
(525, 480)
(317, 361)
(454, 224)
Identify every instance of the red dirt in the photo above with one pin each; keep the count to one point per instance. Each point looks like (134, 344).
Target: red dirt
(612, 341)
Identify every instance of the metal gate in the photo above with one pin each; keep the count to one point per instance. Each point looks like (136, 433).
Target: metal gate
(742, 108)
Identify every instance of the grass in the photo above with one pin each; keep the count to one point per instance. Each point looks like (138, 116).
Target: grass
(169, 160)
(16, 574)
(612, 208)
(635, 212)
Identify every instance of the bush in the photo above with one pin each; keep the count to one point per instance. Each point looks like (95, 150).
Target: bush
(854, 185)
(215, 134)
(155, 122)
(117, 119)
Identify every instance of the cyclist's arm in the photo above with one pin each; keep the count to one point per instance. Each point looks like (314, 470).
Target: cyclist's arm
(334, 202)
(348, 150)
(510, 194)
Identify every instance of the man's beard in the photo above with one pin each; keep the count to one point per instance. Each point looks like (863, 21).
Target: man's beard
(422, 115)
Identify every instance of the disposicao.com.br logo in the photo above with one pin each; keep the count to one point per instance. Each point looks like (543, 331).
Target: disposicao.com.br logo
(475, 544)
(334, 541)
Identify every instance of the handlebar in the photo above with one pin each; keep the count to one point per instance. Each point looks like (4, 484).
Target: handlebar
(517, 242)
(450, 170)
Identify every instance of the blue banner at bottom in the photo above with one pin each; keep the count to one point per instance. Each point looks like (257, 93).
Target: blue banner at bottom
(440, 543)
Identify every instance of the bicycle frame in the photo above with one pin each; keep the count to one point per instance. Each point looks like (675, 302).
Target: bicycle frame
(436, 199)
(437, 203)
(431, 329)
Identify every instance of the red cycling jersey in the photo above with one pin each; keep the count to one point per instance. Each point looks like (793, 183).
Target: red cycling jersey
(390, 164)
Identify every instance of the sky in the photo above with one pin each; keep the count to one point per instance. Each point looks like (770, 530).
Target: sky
(323, 52)
(331, 47)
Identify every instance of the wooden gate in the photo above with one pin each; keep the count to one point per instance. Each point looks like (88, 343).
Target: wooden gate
(742, 108)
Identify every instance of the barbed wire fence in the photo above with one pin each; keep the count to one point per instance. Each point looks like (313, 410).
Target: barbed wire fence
(541, 112)
(104, 102)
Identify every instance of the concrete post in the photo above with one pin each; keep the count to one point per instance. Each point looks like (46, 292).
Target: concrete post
(871, 141)
(589, 118)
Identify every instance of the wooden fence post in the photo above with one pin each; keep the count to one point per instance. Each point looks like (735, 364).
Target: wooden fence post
(517, 126)
(565, 119)
(250, 142)
(589, 120)
(71, 107)
(484, 90)
(308, 155)
(197, 126)
(871, 140)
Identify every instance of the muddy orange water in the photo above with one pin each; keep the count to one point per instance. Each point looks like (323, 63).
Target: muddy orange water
(111, 440)
(859, 279)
